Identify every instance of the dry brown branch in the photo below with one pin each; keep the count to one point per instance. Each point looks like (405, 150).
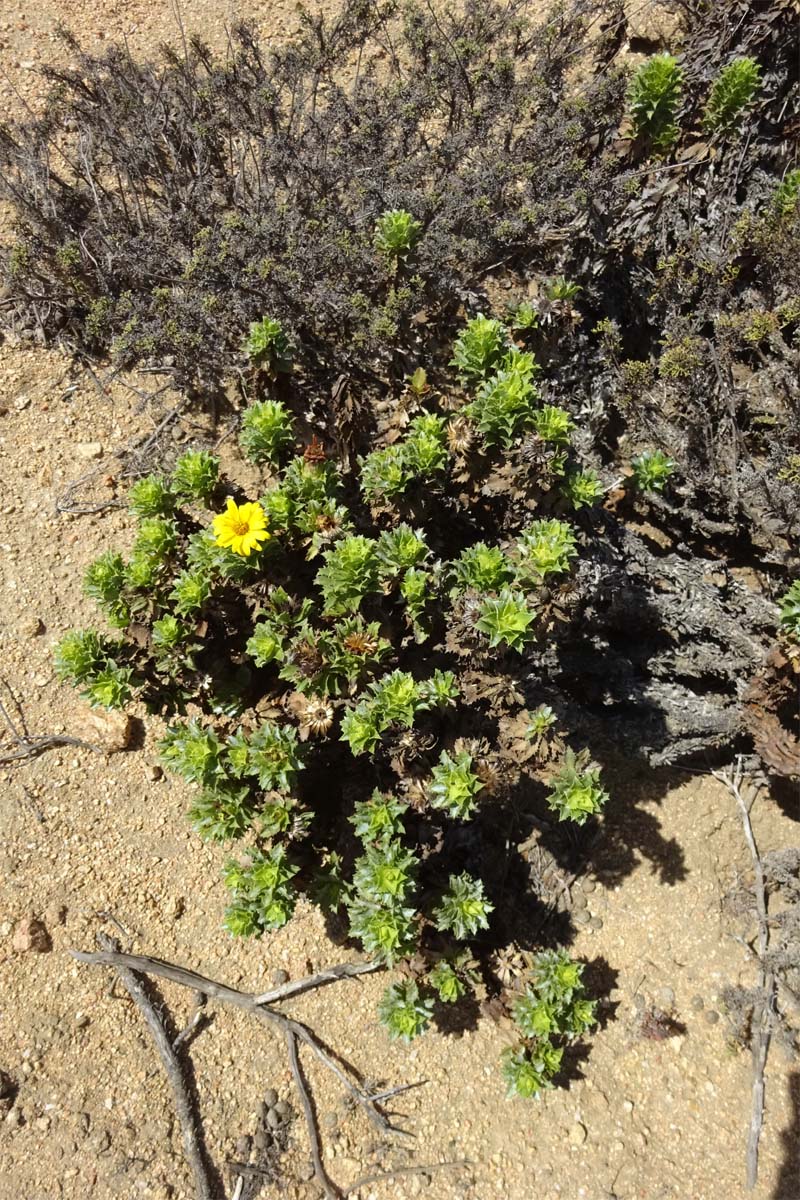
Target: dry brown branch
(30, 745)
(294, 1032)
(733, 779)
(190, 1129)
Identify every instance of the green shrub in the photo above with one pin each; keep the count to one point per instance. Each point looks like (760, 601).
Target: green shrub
(267, 432)
(195, 476)
(577, 794)
(654, 96)
(732, 91)
(397, 233)
(652, 470)
(479, 348)
(267, 346)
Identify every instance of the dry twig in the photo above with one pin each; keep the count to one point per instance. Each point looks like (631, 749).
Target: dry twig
(190, 1128)
(294, 1032)
(29, 745)
(762, 1023)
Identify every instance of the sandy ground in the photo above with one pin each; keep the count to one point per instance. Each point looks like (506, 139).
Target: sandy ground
(92, 842)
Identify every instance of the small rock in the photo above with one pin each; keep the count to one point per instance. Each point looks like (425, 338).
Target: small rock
(627, 1106)
(33, 627)
(262, 1140)
(27, 64)
(111, 731)
(22, 402)
(270, 1097)
(177, 907)
(284, 1108)
(154, 773)
(42, 1124)
(698, 1003)
(279, 976)
(89, 449)
(55, 914)
(588, 885)
(330, 1120)
(81, 1020)
(577, 1134)
(581, 917)
(579, 900)
(711, 1017)
(596, 924)
(306, 1172)
(14, 1117)
(665, 997)
(31, 934)
(243, 1145)
(274, 1119)
(101, 1141)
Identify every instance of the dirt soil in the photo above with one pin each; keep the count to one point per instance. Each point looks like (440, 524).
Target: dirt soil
(100, 842)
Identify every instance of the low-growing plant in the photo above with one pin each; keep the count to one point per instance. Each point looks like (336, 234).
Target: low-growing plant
(267, 432)
(397, 233)
(195, 476)
(577, 793)
(403, 1012)
(504, 406)
(267, 346)
(790, 610)
(326, 739)
(653, 98)
(652, 469)
(553, 1010)
(732, 91)
(479, 348)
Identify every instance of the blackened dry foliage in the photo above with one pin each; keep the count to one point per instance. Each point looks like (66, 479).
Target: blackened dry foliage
(164, 206)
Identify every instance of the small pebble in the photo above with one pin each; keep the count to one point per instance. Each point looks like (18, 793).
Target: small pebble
(330, 1120)
(279, 976)
(14, 1117)
(274, 1119)
(665, 997)
(711, 1017)
(81, 1020)
(42, 1124)
(30, 934)
(270, 1097)
(581, 917)
(154, 773)
(283, 1107)
(596, 923)
(89, 449)
(588, 885)
(627, 1106)
(579, 900)
(243, 1145)
(577, 1134)
(698, 1003)
(262, 1140)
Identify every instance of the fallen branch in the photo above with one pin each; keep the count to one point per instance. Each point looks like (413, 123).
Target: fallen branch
(294, 1032)
(762, 1024)
(32, 745)
(190, 1130)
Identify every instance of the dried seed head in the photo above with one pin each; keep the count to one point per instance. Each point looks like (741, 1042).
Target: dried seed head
(306, 657)
(460, 435)
(315, 451)
(360, 643)
(316, 717)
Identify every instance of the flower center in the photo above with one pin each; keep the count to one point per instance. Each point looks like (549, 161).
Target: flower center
(240, 527)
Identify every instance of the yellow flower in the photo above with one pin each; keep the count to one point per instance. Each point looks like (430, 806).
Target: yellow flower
(241, 528)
